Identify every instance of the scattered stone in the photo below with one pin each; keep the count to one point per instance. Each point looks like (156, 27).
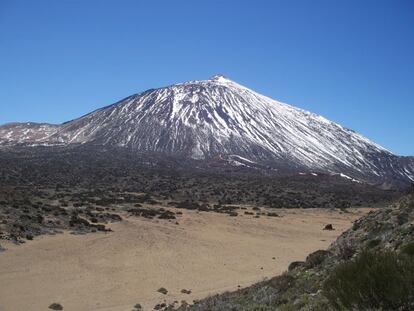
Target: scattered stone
(56, 306)
(186, 291)
(272, 214)
(160, 306)
(329, 227)
(162, 290)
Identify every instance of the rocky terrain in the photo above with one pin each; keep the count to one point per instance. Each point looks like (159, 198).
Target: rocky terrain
(170, 155)
(369, 267)
(219, 118)
(44, 190)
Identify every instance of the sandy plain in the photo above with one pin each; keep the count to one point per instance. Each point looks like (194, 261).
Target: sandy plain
(205, 253)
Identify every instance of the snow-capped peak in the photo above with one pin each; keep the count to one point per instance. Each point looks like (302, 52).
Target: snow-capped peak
(220, 78)
(206, 118)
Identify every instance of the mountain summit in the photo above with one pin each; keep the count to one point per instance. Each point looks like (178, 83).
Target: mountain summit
(203, 119)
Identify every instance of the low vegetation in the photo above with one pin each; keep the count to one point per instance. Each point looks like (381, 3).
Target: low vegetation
(373, 280)
(82, 189)
(369, 267)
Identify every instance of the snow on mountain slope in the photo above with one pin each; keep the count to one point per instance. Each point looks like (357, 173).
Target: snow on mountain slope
(206, 118)
(29, 132)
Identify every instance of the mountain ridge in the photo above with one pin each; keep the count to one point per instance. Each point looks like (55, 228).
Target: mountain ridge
(202, 119)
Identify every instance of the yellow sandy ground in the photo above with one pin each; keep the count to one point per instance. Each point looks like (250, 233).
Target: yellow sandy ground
(206, 253)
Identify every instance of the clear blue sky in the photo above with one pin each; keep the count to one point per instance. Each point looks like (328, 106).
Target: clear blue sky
(350, 61)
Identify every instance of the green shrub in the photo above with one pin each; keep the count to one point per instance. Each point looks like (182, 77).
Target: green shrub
(373, 243)
(316, 258)
(408, 249)
(295, 264)
(372, 281)
(282, 283)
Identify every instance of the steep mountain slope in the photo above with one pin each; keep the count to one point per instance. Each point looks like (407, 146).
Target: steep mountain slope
(215, 117)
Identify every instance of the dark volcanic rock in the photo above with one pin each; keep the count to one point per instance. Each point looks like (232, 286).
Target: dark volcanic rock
(222, 122)
(328, 227)
(56, 306)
